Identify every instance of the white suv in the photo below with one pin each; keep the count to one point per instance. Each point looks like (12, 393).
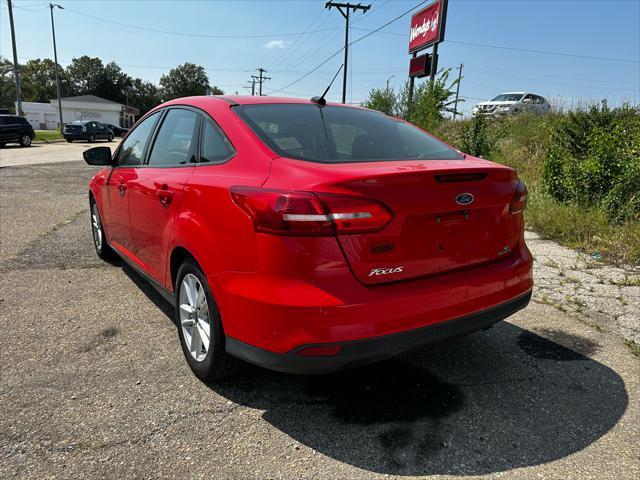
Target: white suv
(513, 102)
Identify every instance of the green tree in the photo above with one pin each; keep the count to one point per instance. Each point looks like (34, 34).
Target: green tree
(384, 100)
(7, 85)
(38, 79)
(143, 95)
(84, 75)
(184, 81)
(90, 76)
(431, 100)
(216, 91)
(429, 103)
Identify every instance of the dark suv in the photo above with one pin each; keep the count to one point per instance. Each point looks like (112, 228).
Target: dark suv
(15, 129)
(87, 130)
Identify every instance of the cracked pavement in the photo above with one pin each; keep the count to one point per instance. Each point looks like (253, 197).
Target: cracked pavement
(94, 385)
(603, 296)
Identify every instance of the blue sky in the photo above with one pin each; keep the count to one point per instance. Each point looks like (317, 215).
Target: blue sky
(232, 38)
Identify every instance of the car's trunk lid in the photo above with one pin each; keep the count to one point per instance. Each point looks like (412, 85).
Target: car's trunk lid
(447, 215)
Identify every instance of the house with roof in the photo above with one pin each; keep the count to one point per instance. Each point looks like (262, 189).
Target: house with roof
(44, 116)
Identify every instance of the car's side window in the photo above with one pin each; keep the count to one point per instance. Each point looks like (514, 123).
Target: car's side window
(215, 146)
(175, 139)
(133, 146)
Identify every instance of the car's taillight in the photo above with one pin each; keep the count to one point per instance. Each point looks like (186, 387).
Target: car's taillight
(286, 212)
(519, 201)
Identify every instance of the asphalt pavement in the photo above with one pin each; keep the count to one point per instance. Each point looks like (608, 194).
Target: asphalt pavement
(94, 384)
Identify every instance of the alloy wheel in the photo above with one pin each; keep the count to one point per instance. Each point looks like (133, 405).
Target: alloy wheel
(26, 140)
(194, 317)
(96, 227)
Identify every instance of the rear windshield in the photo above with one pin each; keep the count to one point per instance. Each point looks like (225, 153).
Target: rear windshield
(332, 134)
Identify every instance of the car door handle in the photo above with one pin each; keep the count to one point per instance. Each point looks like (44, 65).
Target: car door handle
(122, 187)
(164, 194)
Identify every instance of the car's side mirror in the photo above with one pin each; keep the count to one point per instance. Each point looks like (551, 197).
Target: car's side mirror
(98, 156)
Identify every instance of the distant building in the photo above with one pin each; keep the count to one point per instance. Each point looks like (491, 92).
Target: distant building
(44, 116)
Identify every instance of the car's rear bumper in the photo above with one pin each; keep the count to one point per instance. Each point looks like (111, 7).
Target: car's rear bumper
(360, 352)
(280, 314)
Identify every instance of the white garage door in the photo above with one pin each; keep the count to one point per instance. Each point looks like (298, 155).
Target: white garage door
(51, 121)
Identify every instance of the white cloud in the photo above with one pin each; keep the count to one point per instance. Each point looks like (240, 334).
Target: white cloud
(274, 44)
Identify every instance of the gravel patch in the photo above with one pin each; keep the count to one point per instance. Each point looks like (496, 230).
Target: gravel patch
(602, 296)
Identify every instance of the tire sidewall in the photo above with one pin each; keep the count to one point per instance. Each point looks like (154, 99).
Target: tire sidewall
(201, 369)
(104, 252)
(25, 140)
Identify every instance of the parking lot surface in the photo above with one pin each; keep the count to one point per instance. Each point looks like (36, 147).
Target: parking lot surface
(94, 384)
(38, 153)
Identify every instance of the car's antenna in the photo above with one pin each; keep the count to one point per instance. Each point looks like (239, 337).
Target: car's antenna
(321, 100)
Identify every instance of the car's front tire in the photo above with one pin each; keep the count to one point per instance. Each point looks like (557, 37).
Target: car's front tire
(199, 325)
(104, 251)
(25, 141)
(69, 140)
(110, 138)
(92, 138)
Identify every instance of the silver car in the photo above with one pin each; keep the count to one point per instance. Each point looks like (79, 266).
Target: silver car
(513, 102)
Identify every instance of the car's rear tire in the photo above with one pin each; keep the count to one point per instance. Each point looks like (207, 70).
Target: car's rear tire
(2, 145)
(197, 318)
(69, 140)
(25, 141)
(92, 138)
(110, 138)
(104, 251)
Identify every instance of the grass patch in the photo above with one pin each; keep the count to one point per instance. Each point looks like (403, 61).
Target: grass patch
(48, 135)
(633, 347)
(583, 229)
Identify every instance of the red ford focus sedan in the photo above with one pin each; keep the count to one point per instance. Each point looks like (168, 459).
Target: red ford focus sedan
(308, 237)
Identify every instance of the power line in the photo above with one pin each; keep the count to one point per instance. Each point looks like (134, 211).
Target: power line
(296, 43)
(517, 49)
(351, 43)
(188, 34)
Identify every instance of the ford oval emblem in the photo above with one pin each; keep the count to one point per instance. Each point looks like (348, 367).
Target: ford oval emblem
(464, 199)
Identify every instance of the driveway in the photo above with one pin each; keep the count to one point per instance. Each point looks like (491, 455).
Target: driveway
(94, 384)
(56, 152)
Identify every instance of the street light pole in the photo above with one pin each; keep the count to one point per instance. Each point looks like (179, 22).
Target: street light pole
(345, 13)
(55, 59)
(16, 67)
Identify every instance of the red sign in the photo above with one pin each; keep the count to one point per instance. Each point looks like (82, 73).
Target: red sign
(420, 66)
(426, 27)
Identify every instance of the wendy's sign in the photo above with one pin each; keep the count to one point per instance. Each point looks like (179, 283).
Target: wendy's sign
(427, 26)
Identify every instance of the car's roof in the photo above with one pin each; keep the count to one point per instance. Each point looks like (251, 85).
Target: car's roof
(243, 100)
(513, 93)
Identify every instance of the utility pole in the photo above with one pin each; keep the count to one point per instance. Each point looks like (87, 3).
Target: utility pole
(16, 67)
(261, 78)
(55, 59)
(455, 108)
(345, 9)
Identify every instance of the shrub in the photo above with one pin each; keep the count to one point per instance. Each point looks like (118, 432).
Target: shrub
(477, 139)
(593, 160)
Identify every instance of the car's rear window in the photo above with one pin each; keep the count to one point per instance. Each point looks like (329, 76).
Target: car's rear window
(333, 134)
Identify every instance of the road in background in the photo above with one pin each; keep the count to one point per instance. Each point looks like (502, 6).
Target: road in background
(40, 153)
(94, 383)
